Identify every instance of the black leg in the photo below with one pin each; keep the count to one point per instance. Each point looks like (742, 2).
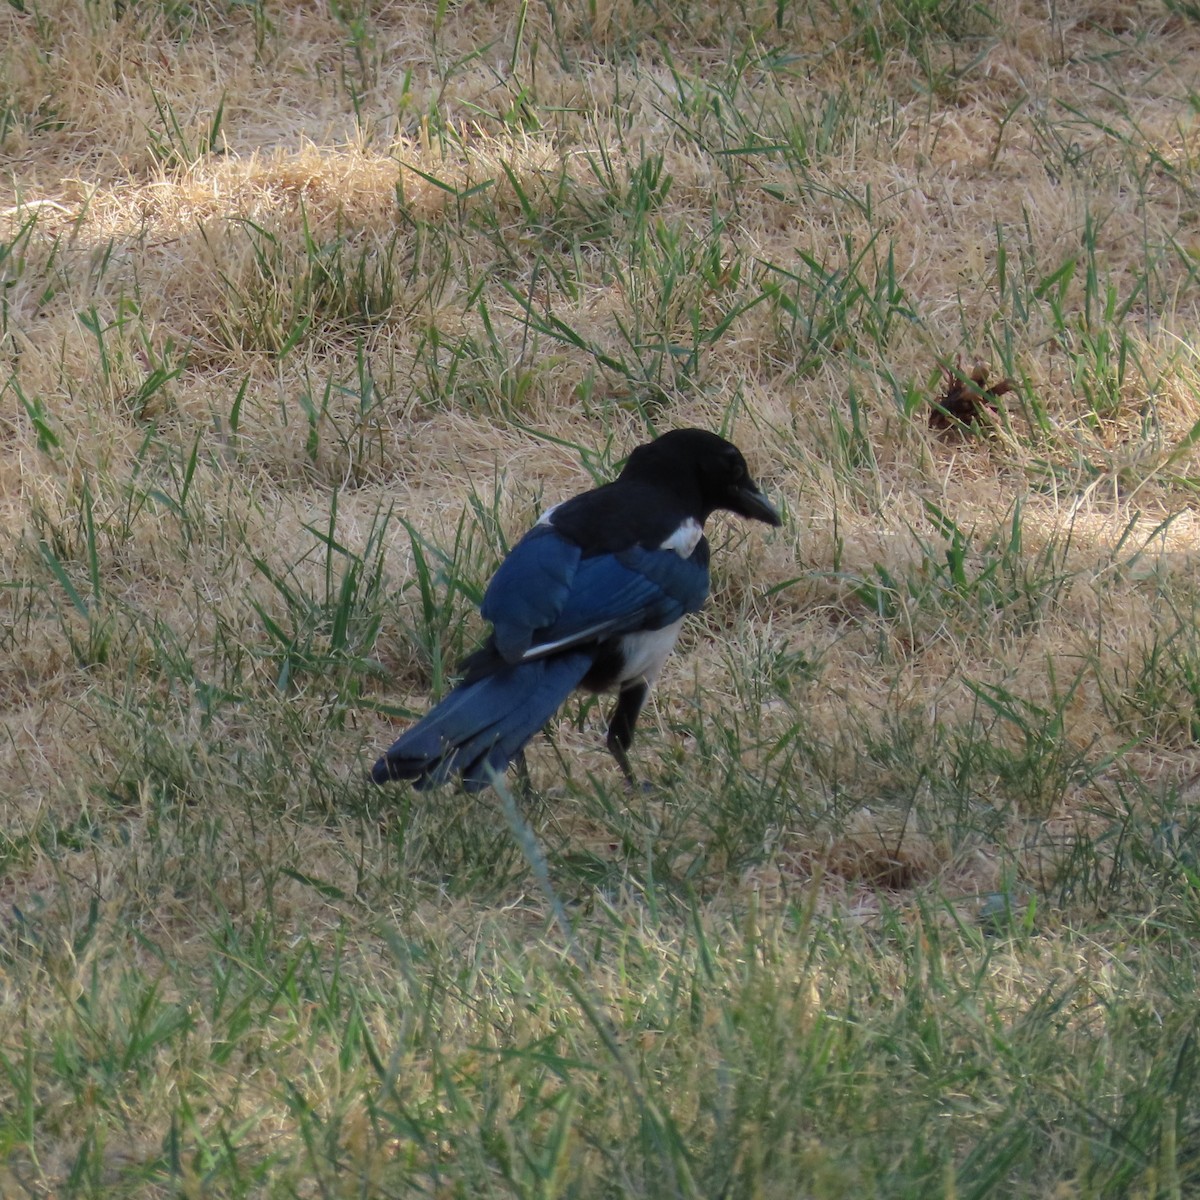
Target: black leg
(620, 725)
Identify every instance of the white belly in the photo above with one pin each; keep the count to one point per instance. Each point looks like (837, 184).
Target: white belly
(645, 653)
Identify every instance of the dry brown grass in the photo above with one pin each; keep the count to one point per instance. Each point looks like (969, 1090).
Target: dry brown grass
(422, 259)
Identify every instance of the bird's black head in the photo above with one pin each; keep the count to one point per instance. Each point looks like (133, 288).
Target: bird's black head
(708, 471)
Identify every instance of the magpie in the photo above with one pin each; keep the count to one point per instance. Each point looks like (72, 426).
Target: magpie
(592, 597)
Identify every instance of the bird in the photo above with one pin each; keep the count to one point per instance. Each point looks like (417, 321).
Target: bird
(591, 598)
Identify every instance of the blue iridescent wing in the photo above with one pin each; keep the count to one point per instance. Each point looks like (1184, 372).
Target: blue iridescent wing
(547, 596)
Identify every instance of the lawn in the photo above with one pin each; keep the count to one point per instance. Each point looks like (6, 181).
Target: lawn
(308, 311)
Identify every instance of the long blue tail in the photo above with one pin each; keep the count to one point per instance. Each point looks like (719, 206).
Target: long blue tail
(477, 729)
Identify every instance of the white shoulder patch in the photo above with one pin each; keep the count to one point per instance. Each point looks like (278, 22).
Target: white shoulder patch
(544, 519)
(685, 539)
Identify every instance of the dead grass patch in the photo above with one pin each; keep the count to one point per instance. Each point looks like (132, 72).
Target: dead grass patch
(306, 313)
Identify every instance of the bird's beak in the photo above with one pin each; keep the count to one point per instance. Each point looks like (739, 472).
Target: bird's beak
(750, 502)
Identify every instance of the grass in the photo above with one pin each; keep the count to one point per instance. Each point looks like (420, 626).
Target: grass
(306, 315)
